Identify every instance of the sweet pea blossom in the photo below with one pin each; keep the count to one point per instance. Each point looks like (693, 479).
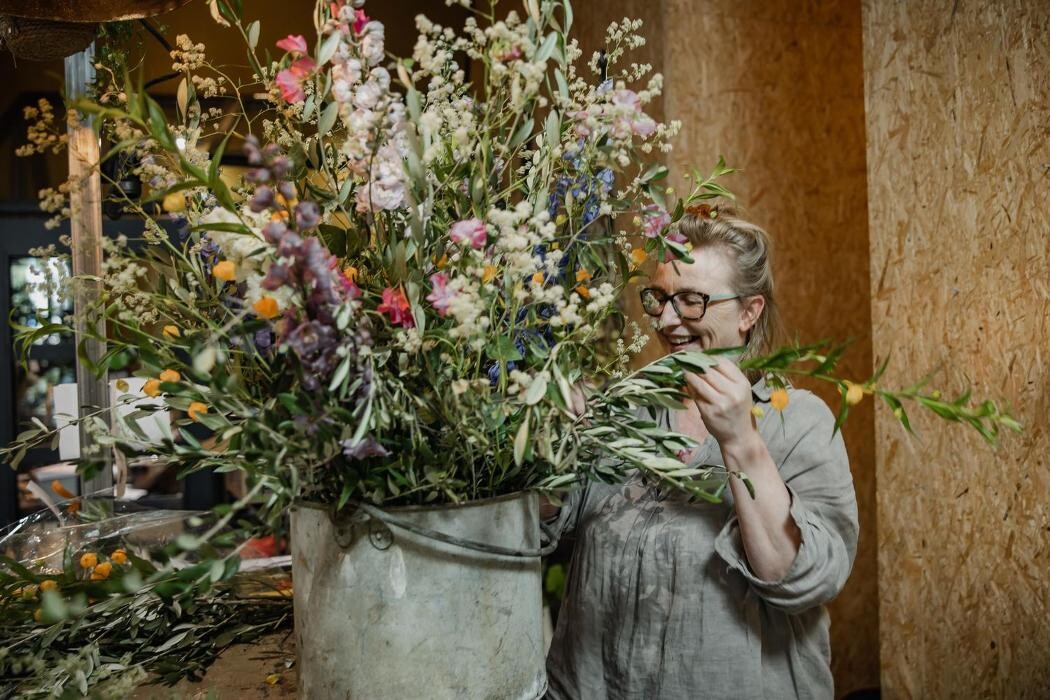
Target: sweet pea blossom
(290, 80)
(655, 220)
(396, 308)
(441, 297)
(293, 43)
(470, 231)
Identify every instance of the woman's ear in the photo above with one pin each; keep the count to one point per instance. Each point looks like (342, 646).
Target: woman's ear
(751, 312)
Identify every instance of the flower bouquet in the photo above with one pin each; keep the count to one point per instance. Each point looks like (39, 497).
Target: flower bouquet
(412, 295)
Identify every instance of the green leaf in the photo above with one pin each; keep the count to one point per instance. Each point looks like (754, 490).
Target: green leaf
(253, 34)
(521, 440)
(328, 48)
(546, 48)
(502, 348)
(327, 120)
(536, 391)
(521, 134)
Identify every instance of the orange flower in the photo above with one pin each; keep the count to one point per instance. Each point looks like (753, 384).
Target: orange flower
(102, 571)
(88, 560)
(582, 275)
(48, 585)
(854, 393)
(151, 387)
(779, 399)
(639, 256)
(442, 262)
(583, 292)
(488, 274)
(170, 375)
(266, 307)
(350, 272)
(537, 277)
(172, 332)
(196, 410)
(279, 215)
(61, 490)
(118, 557)
(224, 270)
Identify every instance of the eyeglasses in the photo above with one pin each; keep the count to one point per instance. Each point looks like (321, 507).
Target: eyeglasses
(689, 305)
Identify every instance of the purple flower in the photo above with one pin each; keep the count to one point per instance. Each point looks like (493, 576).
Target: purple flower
(362, 449)
(307, 216)
(257, 175)
(287, 189)
(281, 166)
(262, 199)
(251, 150)
(274, 231)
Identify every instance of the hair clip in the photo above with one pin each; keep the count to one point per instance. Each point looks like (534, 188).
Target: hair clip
(703, 210)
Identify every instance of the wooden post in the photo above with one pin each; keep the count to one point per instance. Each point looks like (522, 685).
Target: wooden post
(86, 228)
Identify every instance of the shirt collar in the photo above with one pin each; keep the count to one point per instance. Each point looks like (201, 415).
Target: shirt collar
(760, 390)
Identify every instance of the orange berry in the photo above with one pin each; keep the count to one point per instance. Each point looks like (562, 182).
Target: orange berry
(266, 307)
(48, 585)
(118, 557)
(583, 292)
(639, 256)
(151, 387)
(538, 277)
(779, 399)
(102, 571)
(225, 271)
(170, 375)
(88, 560)
(196, 410)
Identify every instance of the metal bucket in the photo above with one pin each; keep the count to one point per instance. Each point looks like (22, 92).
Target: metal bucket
(384, 612)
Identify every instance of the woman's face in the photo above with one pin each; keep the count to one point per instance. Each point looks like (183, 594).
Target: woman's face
(724, 324)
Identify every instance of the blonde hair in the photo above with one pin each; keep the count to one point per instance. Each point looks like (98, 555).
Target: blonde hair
(716, 224)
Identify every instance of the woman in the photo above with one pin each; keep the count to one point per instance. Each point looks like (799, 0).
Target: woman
(670, 599)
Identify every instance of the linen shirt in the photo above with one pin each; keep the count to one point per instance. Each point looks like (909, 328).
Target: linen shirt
(660, 599)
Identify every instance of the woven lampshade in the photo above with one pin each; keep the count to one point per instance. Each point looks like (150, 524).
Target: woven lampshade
(87, 11)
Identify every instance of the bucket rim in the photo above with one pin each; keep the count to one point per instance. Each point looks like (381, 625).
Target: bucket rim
(476, 503)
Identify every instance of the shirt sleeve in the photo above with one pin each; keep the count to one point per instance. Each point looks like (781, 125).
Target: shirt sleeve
(564, 523)
(823, 506)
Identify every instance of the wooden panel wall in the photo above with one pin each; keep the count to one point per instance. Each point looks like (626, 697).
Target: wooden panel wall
(777, 87)
(958, 122)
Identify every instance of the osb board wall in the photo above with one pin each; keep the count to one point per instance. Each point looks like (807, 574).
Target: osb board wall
(958, 121)
(777, 87)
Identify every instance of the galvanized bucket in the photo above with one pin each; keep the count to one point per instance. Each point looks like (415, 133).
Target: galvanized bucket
(401, 604)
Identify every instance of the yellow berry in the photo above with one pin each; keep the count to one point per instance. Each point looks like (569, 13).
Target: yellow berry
(854, 393)
(170, 375)
(266, 307)
(225, 271)
(196, 410)
(779, 399)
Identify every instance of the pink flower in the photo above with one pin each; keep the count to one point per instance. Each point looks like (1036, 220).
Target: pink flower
(360, 20)
(441, 297)
(654, 221)
(472, 231)
(396, 307)
(290, 80)
(293, 43)
(676, 237)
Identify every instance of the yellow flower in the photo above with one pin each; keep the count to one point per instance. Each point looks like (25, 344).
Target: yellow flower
(224, 270)
(854, 393)
(48, 585)
(779, 399)
(172, 332)
(118, 557)
(639, 256)
(278, 216)
(170, 375)
(174, 202)
(122, 385)
(442, 262)
(582, 275)
(350, 272)
(266, 307)
(196, 410)
(151, 387)
(757, 411)
(583, 292)
(38, 615)
(273, 679)
(89, 560)
(560, 219)
(537, 277)
(101, 572)
(488, 274)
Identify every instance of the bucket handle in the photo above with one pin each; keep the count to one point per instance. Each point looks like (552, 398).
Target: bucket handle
(483, 547)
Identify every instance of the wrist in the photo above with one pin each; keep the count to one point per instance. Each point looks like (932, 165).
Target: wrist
(742, 449)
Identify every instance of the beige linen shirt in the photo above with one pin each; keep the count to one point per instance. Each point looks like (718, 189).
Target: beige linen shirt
(660, 600)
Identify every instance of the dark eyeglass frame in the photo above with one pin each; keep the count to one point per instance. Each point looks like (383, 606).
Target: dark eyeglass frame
(663, 298)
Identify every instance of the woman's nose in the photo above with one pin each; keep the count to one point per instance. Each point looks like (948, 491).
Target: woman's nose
(669, 317)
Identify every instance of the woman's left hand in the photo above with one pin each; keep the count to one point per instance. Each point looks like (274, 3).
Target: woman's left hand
(723, 395)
